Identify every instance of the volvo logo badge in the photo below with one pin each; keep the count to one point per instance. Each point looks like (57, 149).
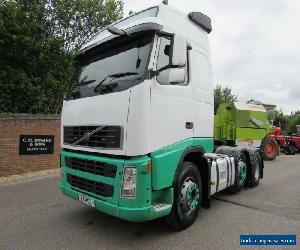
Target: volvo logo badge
(87, 135)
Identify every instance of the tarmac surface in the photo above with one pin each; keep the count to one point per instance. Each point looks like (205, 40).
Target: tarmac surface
(35, 215)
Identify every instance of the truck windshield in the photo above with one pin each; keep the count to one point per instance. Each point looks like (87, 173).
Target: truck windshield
(111, 67)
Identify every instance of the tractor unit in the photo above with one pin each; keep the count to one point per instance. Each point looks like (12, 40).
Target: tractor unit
(138, 119)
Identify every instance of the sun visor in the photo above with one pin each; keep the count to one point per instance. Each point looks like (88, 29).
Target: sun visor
(149, 23)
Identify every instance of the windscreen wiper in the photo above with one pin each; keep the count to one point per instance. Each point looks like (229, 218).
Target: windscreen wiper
(82, 83)
(115, 76)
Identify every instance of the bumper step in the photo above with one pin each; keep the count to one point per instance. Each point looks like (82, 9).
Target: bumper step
(158, 207)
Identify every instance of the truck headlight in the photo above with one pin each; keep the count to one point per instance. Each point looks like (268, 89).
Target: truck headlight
(129, 182)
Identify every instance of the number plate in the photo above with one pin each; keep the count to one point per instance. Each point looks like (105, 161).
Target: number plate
(86, 200)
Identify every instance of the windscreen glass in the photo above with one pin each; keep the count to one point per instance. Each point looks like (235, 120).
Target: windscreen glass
(112, 67)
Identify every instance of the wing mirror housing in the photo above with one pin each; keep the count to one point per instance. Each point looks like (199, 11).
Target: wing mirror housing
(172, 76)
(179, 51)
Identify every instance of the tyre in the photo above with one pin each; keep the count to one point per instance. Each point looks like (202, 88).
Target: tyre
(269, 148)
(255, 170)
(240, 174)
(289, 150)
(187, 196)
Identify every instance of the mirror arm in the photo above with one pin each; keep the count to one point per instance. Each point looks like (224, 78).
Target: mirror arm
(152, 73)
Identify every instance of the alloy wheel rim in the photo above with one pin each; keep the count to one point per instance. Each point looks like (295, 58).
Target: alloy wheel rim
(189, 196)
(242, 171)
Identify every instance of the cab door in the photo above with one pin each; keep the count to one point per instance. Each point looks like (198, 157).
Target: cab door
(203, 93)
(171, 104)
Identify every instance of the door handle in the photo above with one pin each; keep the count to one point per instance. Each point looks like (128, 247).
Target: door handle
(189, 125)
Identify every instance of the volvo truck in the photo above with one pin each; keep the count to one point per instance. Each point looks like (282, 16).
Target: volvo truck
(138, 119)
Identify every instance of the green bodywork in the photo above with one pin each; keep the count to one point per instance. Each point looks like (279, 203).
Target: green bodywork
(153, 187)
(165, 160)
(232, 124)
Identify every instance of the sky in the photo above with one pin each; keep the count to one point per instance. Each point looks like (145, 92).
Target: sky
(255, 46)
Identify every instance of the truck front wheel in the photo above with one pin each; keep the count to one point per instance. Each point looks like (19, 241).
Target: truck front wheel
(187, 196)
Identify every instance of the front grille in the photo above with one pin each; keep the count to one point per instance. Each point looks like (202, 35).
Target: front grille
(93, 167)
(104, 137)
(94, 187)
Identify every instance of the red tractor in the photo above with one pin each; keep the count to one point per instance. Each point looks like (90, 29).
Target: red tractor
(290, 144)
(294, 140)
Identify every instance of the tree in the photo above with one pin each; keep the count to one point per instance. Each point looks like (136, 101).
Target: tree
(76, 21)
(287, 122)
(294, 120)
(281, 120)
(34, 68)
(36, 62)
(222, 95)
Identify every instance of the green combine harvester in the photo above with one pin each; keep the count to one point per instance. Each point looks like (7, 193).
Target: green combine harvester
(238, 124)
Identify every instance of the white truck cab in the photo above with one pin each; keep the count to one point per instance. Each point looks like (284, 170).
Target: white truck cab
(137, 122)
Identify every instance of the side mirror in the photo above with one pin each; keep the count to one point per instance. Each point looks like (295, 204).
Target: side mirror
(171, 76)
(179, 51)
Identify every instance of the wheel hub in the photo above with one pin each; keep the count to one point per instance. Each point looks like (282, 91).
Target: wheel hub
(243, 170)
(190, 195)
(270, 149)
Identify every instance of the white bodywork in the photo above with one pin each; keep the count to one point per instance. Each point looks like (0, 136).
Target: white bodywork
(174, 105)
(152, 116)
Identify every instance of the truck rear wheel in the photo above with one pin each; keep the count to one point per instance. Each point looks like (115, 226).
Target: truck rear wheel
(187, 196)
(255, 170)
(240, 174)
(269, 148)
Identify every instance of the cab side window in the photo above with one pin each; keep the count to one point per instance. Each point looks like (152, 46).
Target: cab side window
(164, 52)
(164, 62)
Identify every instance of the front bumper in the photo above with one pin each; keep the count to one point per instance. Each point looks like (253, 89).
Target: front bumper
(126, 213)
(147, 204)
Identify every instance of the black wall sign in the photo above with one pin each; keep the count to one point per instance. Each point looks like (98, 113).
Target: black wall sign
(36, 144)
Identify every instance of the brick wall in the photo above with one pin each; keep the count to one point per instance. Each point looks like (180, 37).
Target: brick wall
(11, 128)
